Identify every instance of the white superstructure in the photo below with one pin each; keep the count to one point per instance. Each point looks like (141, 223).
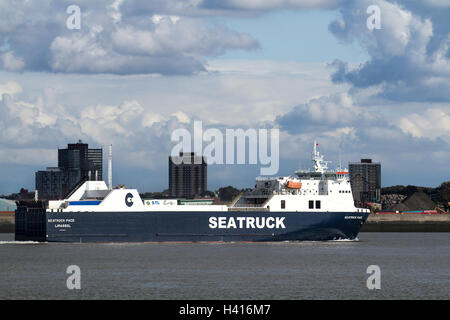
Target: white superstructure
(319, 189)
(316, 190)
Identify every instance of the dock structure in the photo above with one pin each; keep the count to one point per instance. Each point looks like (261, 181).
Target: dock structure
(407, 223)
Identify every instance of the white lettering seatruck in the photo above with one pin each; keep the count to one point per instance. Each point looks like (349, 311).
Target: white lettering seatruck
(246, 222)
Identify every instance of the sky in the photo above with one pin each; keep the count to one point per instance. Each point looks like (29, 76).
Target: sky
(135, 71)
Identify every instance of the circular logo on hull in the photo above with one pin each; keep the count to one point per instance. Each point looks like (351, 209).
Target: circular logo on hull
(129, 199)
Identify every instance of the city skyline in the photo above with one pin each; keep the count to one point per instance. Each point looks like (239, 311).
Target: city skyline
(338, 167)
(133, 73)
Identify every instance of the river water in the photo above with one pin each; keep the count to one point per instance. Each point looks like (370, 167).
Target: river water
(412, 266)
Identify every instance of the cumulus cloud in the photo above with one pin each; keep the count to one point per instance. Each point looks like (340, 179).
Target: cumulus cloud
(171, 35)
(402, 60)
(10, 88)
(432, 124)
(109, 40)
(318, 114)
(340, 118)
(11, 62)
(26, 124)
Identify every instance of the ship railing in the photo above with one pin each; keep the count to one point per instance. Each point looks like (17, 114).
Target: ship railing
(260, 192)
(269, 178)
(283, 191)
(247, 205)
(240, 209)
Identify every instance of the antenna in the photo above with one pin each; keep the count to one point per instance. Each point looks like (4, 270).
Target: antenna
(110, 167)
(315, 148)
(320, 165)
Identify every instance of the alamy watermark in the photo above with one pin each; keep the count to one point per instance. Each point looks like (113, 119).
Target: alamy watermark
(74, 20)
(374, 280)
(74, 280)
(374, 20)
(263, 146)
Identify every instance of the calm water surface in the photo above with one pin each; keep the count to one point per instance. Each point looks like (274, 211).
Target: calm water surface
(413, 266)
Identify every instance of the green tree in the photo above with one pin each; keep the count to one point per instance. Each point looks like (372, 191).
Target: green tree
(227, 194)
(444, 192)
(208, 194)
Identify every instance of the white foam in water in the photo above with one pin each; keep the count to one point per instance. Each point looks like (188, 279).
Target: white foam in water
(324, 241)
(20, 242)
(346, 240)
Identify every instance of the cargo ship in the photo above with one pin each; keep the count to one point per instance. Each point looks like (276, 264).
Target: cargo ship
(313, 205)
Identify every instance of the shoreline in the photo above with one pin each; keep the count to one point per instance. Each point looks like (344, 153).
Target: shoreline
(407, 223)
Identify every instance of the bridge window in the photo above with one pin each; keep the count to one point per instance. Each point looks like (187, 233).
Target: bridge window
(283, 204)
(317, 204)
(311, 204)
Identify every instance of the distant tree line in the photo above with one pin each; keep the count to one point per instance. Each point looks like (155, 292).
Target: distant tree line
(23, 194)
(155, 195)
(227, 194)
(440, 195)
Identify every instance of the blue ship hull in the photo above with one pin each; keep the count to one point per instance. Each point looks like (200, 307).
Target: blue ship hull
(39, 225)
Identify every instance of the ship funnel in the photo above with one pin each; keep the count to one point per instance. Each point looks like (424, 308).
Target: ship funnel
(110, 168)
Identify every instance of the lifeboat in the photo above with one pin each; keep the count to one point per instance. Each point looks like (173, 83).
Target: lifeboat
(293, 185)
